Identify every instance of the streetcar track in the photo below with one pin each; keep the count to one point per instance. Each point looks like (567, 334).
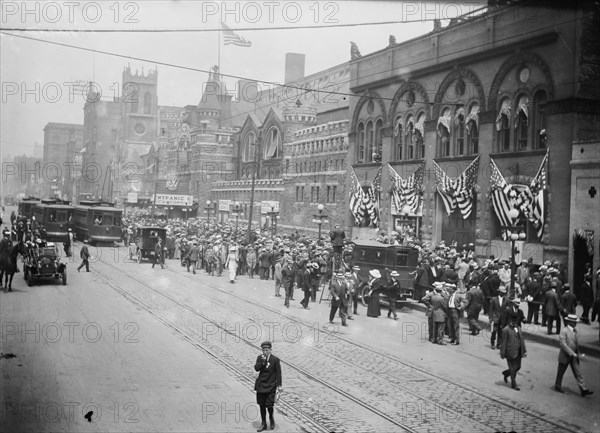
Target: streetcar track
(238, 372)
(516, 408)
(392, 358)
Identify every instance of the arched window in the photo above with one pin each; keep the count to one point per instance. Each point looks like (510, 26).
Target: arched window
(408, 137)
(539, 120)
(250, 147)
(273, 144)
(503, 126)
(418, 137)
(472, 128)
(369, 139)
(443, 130)
(361, 142)
(377, 151)
(147, 103)
(397, 154)
(521, 123)
(459, 131)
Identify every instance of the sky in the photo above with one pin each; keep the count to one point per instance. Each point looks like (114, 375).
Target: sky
(37, 77)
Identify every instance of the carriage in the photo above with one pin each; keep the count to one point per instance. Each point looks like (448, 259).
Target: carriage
(145, 240)
(44, 262)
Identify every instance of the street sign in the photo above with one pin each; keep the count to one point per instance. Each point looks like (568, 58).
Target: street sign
(174, 200)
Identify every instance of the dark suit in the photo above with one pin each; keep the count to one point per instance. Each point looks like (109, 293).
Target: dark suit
(495, 315)
(439, 307)
(339, 300)
(553, 308)
(269, 378)
(475, 300)
(287, 282)
(456, 304)
(513, 349)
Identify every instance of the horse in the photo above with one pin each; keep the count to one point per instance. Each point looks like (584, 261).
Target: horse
(8, 262)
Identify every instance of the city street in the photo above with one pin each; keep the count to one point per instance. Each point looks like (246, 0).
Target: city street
(165, 350)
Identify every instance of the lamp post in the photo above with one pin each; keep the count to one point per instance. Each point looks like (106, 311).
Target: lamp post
(207, 209)
(320, 218)
(237, 211)
(274, 215)
(516, 233)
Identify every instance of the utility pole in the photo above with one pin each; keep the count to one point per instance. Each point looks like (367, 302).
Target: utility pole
(256, 174)
(156, 159)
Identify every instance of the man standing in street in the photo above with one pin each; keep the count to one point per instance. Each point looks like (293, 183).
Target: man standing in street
(512, 348)
(475, 301)
(569, 355)
(439, 307)
(497, 305)
(85, 256)
(338, 297)
(456, 304)
(287, 280)
(158, 254)
(267, 383)
(193, 256)
(393, 291)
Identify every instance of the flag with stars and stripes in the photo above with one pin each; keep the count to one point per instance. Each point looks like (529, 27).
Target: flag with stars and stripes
(232, 38)
(407, 191)
(372, 205)
(357, 198)
(529, 200)
(457, 191)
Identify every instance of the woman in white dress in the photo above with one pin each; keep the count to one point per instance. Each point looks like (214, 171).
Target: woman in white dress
(231, 262)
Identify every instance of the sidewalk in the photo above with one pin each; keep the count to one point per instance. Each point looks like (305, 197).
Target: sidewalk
(589, 335)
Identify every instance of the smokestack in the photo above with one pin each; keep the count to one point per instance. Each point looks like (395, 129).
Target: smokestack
(294, 67)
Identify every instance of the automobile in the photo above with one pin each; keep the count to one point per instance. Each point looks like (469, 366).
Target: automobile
(369, 255)
(44, 263)
(146, 238)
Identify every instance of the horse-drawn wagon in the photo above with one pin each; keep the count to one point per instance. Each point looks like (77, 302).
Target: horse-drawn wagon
(44, 262)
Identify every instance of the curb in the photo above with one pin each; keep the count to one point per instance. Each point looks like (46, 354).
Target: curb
(539, 337)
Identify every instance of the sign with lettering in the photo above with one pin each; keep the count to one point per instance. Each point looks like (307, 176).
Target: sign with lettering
(268, 206)
(225, 205)
(174, 200)
(132, 197)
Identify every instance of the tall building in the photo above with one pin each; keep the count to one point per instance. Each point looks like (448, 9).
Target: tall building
(62, 144)
(493, 92)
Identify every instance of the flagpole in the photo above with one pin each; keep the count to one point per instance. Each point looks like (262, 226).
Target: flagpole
(219, 49)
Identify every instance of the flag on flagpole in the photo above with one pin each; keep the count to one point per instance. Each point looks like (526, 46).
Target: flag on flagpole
(232, 38)
(357, 196)
(373, 202)
(406, 191)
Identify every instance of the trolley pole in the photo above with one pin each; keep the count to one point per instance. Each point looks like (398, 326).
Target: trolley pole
(155, 189)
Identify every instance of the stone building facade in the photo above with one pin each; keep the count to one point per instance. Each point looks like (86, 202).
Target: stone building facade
(62, 145)
(495, 86)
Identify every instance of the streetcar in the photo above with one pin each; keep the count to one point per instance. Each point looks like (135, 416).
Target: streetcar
(369, 255)
(56, 216)
(97, 221)
(27, 205)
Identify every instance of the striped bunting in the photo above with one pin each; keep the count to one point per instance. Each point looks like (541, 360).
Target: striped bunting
(357, 197)
(372, 205)
(457, 191)
(529, 200)
(406, 191)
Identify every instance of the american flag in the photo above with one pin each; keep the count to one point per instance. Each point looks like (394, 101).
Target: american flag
(357, 197)
(232, 38)
(373, 203)
(503, 198)
(406, 191)
(538, 185)
(458, 191)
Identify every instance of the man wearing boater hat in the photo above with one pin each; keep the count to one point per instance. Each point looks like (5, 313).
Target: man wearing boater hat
(569, 355)
(267, 383)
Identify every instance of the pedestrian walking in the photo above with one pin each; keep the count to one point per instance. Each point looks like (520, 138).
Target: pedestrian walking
(497, 306)
(287, 280)
(475, 301)
(251, 261)
(193, 256)
(512, 348)
(159, 254)
(439, 307)
(231, 263)
(456, 305)
(304, 283)
(277, 275)
(267, 384)
(84, 253)
(339, 300)
(569, 355)
(393, 291)
(375, 288)
(553, 308)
